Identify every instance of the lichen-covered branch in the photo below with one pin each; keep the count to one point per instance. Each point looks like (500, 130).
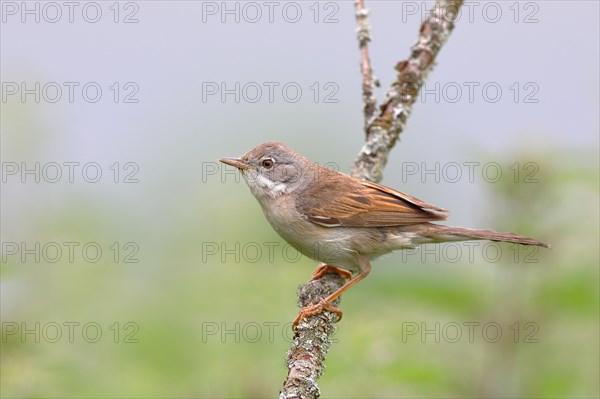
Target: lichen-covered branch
(384, 130)
(363, 34)
(306, 358)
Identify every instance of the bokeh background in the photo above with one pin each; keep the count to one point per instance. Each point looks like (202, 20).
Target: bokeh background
(193, 292)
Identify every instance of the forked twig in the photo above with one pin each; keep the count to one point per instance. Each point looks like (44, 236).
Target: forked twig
(306, 358)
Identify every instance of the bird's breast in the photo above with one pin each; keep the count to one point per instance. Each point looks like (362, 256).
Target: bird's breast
(329, 245)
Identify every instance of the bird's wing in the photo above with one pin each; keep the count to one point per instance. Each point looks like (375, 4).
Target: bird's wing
(344, 201)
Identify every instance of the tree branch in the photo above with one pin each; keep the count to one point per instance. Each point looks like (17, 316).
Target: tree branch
(314, 334)
(363, 34)
(384, 131)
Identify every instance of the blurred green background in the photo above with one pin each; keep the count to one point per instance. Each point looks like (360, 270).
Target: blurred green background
(194, 293)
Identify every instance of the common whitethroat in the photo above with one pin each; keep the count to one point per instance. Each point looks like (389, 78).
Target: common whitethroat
(342, 221)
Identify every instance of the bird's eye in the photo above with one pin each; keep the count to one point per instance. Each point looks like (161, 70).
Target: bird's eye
(267, 163)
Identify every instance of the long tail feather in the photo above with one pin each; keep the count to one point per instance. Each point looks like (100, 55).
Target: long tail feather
(446, 233)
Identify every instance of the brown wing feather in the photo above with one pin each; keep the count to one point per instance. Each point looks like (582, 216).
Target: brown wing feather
(364, 204)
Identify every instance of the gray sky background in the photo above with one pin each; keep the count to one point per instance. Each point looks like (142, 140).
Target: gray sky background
(174, 227)
(542, 55)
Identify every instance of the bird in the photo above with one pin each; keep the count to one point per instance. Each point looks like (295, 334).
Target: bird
(341, 221)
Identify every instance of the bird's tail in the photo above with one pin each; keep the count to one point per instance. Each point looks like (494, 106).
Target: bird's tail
(440, 233)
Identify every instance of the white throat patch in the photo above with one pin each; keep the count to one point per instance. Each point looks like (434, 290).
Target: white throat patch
(272, 188)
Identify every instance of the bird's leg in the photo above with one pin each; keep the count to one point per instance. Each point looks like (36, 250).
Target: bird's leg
(324, 268)
(364, 267)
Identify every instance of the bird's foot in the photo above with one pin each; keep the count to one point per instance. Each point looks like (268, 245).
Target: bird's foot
(314, 309)
(325, 303)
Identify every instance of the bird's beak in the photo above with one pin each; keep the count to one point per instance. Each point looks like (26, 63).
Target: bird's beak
(237, 162)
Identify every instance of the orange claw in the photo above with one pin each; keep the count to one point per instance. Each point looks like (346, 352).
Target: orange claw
(364, 267)
(317, 308)
(324, 268)
(324, 304)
